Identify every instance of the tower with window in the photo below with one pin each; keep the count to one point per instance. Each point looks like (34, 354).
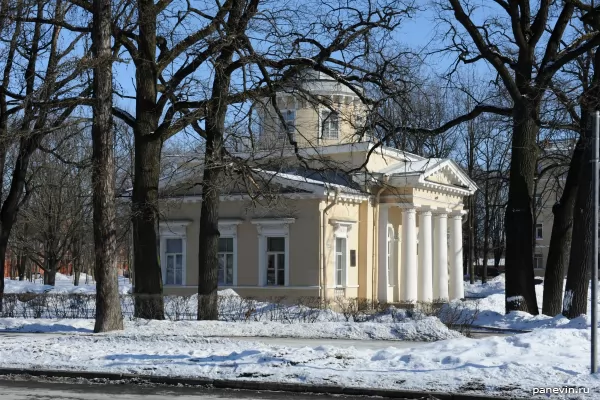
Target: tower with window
(317, 112)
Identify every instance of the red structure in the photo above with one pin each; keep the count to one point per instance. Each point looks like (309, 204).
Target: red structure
(64, 268)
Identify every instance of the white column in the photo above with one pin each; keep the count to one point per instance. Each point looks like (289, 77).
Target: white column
(382, 238)
(397, 263)
(456, 257)
(425, 257)
(409, 279)
(262, 259)
(440, 257)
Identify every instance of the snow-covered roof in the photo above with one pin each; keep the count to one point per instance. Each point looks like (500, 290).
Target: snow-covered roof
(326, 179)
(422, 173)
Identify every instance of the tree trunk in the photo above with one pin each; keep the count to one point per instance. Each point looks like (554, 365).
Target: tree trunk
(499, 241)
(520, 288)
(578, 275)
(22, 264)
(560, 239)
(209, 233)
(582, 255)
(108, 303)
(76, 262)
(212, 176)
(76, 257)
(148, 277)
(76, 277)
(50, 272)
(148, 285)
(486, 233)
(13, 266)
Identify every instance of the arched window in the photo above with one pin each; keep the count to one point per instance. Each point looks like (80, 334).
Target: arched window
(390, 256)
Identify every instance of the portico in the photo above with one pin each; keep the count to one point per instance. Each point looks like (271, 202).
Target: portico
(428, 266)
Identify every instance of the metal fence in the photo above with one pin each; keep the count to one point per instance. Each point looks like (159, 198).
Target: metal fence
(456, 316)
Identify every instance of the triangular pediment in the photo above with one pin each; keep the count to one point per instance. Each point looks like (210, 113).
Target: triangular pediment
(443, 174)
(448, 173)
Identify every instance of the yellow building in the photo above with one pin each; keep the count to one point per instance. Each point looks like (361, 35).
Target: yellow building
(391, 229)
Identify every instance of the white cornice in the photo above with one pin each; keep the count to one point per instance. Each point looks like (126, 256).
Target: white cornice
(174, 223)
(232, 221)
(240, 197)
(273, 221)
(444, 188)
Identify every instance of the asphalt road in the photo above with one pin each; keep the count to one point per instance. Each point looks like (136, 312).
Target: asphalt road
(36, 390)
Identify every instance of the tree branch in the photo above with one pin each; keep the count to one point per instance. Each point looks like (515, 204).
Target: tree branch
(486, 50)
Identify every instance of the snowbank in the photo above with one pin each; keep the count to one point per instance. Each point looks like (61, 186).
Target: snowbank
(498, 366)
(491, 309)
(427, 329)
(63, 284)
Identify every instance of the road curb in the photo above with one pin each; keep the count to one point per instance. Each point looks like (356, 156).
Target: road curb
(247, 385)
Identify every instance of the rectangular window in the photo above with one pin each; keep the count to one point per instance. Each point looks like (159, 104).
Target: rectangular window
(329, 125)
(539, 261)
(174, 261)
(225, 261)
(275, 261)
(289, 117)
(340, 261)
(539, 231)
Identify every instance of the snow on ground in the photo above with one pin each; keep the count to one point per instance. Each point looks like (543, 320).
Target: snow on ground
(427, 329)
(509, 365)
(491, 309)
(63, 284)
(554, 355)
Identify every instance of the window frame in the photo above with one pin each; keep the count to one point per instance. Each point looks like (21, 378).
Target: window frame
(173, 230)
(341, 229)
(287, 128)
(174, 255)
(277, 267)
(327, 120)
(539, 231)
(233, 261)
(536, 257)
(228, 229)
(272, 227)
(344, 257)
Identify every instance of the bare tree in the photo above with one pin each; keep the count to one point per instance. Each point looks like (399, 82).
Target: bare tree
(167, 41)
(54, 212)
(509, 40)
(43, 104)
(108, 302)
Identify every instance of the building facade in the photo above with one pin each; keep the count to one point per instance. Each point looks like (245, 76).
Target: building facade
(390, 230)
(552, 173)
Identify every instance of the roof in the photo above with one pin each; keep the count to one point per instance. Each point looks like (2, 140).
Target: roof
(301, 182)
(422, 171)
(411, 167)
(332, 177)
(409, 170)
(325, 179)
(365, 147)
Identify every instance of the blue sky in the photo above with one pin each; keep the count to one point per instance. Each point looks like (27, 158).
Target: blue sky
(418, 34)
